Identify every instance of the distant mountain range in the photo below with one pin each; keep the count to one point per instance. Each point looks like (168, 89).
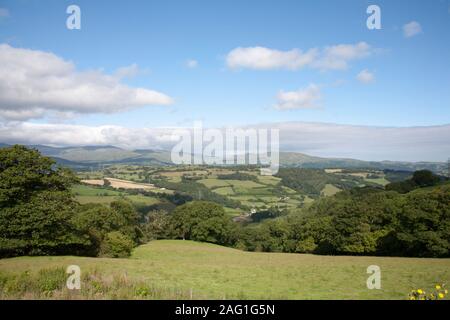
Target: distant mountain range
(93, 156)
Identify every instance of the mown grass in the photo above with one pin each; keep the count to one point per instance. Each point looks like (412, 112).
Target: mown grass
(170, 269)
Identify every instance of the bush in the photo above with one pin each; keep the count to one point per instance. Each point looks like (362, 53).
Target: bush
(116, 245)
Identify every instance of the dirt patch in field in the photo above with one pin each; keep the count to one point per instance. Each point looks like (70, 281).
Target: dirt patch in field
(96, 182)
(119, 183)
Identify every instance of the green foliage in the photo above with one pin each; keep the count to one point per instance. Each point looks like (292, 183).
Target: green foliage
(116, 245)
(202, 221)
(158, 225)
(238, 176)
(363, 222)
(269, 213)
(36, 206)
(199, 192)
(420, 179)
(312, 181)
(51, 279)
(98, 221)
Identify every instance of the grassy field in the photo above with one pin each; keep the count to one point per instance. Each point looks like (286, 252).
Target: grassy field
(210, 271)
(86, 194)
(330, 190)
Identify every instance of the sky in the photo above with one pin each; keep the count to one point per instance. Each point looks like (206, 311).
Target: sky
(140, 65)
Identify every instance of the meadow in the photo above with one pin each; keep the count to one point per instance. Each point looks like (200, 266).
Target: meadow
(89, 194)
(176, 269)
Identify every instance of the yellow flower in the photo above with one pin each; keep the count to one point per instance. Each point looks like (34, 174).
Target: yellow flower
(438, 287)
(441, 295)
(419, 291)
(412, 298)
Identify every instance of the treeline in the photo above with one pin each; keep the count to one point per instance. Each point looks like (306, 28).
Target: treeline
(238, 176)
(363, 221)
(420, 179)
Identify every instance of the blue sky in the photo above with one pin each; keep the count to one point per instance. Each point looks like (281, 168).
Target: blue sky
(410, 78)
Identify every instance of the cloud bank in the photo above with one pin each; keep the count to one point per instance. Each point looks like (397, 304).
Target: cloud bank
(34, 83)
(321, 139)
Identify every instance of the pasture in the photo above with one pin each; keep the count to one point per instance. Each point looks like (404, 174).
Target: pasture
(214, 272)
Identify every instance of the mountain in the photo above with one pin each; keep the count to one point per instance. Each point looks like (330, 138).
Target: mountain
(292, 159)
(96, 156)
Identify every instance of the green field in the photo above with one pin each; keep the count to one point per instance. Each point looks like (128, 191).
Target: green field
(330, 190)
(86, 194)
(211, 271)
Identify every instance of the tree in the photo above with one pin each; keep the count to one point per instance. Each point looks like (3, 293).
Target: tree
(425, 178)
(36, 206)
(97, 221)
(202, 221)
(116, 245)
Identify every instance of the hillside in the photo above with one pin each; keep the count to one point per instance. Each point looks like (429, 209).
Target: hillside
(212, 271)
(88, 156)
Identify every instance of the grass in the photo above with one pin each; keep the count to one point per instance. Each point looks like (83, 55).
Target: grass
(381, 181)
(83, 190)
(211, 271)
(86, 194)
(330, 190)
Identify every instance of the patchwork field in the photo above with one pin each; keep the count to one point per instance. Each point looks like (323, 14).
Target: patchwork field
(87, 194)
(210, 271)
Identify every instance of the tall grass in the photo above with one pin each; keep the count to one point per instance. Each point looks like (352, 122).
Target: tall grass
(51, 284)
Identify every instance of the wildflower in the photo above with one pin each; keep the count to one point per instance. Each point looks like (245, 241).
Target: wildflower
(412, 298)
(441, 295)
(438, 287)
(419, 291)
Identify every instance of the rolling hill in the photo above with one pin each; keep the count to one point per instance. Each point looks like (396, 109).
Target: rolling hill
(88, 156)
(177, 269)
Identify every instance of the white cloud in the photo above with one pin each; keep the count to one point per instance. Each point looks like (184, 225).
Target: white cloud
(411, 29)
(330, 58)
(265, 58)
(128, 71)
(191, 63)
(428, 143)
(365, 76)
(337, 57)
(4, 13)
(35, 83)
(303, 98)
